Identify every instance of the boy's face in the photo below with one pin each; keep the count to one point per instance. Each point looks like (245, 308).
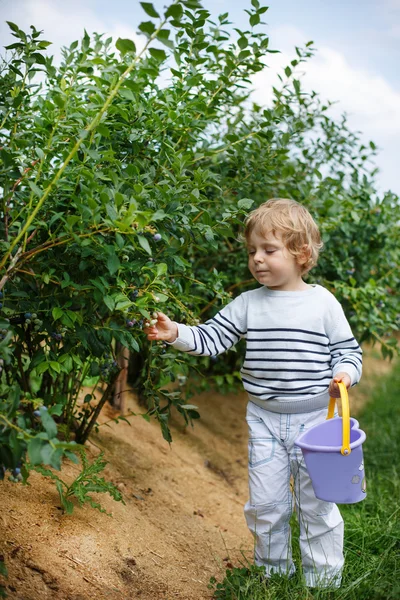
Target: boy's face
(271, 264)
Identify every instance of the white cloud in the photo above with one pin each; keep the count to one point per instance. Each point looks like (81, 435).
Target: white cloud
(371, 104)
(62, 23)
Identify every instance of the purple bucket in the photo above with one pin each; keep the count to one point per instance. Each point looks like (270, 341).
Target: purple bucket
(335, 477)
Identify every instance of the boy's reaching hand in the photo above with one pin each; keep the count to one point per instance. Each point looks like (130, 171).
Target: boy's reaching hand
(164, 329)
(334, 391)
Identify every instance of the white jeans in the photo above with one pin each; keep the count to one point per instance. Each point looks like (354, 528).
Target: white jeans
(272, 459)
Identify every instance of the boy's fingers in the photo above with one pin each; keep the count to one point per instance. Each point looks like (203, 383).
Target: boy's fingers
(162, 317)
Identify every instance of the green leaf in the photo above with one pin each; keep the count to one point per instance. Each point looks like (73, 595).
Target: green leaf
(48, 422)
(13, 26)
(72, 456)
(245, 203)
(109, 302)
(40, 153)
(127, 94)
(147, 27)
(35, 189)
(14, 397)
(161, 269)
(158, 54)
(175, 11)
(161, 297)
(149, 9)
(125, 45)
(57, 313)
(55, 366)
(65, 503)
(39, 58)
(254, 20)
(113, 264)
(34, 450)
(145, 244)
(42, 367)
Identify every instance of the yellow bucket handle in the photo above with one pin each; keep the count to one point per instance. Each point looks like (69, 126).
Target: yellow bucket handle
(345, 450)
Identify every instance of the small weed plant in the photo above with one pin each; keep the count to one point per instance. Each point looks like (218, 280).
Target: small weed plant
(87, 482)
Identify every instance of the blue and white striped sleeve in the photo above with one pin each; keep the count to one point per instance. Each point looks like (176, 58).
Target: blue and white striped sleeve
(216, 335)
(346, 354)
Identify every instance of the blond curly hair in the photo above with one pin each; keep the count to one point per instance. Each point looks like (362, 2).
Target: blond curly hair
(293, 222)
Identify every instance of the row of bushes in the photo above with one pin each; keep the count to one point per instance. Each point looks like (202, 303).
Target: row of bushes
(126, 177)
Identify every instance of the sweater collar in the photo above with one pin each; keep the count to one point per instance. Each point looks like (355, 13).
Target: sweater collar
(291, 294)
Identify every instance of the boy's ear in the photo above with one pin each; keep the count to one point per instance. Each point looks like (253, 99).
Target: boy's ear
(304, 254)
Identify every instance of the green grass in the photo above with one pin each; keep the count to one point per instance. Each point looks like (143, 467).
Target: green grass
(372, 527)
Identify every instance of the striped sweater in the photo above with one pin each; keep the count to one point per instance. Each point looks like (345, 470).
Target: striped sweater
(296, 341)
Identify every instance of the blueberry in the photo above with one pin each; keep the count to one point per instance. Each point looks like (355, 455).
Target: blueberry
(27, 315)
(44, 407)
(1, 294)
(16, 471)
(157, 237)
(36, 413)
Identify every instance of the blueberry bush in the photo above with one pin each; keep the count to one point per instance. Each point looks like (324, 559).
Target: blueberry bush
(126, 175)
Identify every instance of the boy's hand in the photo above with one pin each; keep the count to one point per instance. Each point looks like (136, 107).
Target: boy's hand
(334, 391)
(164, 329)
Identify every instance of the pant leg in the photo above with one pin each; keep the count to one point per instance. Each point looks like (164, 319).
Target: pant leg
(269, 507)
(321, 524)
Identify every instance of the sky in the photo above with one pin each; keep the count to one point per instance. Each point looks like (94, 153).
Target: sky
(356, 63)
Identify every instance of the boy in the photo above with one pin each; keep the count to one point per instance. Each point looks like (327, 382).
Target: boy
(299, 345)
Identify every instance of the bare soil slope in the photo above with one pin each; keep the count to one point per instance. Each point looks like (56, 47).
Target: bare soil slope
(182, 519)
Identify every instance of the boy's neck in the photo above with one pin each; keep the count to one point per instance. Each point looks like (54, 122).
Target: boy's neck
(293, 286)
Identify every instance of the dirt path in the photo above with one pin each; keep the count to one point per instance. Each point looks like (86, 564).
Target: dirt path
(182, 519)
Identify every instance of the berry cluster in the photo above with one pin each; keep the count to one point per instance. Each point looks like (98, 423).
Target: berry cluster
(33, 318)
(107, 366)
(15, 476)
(37, 412)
